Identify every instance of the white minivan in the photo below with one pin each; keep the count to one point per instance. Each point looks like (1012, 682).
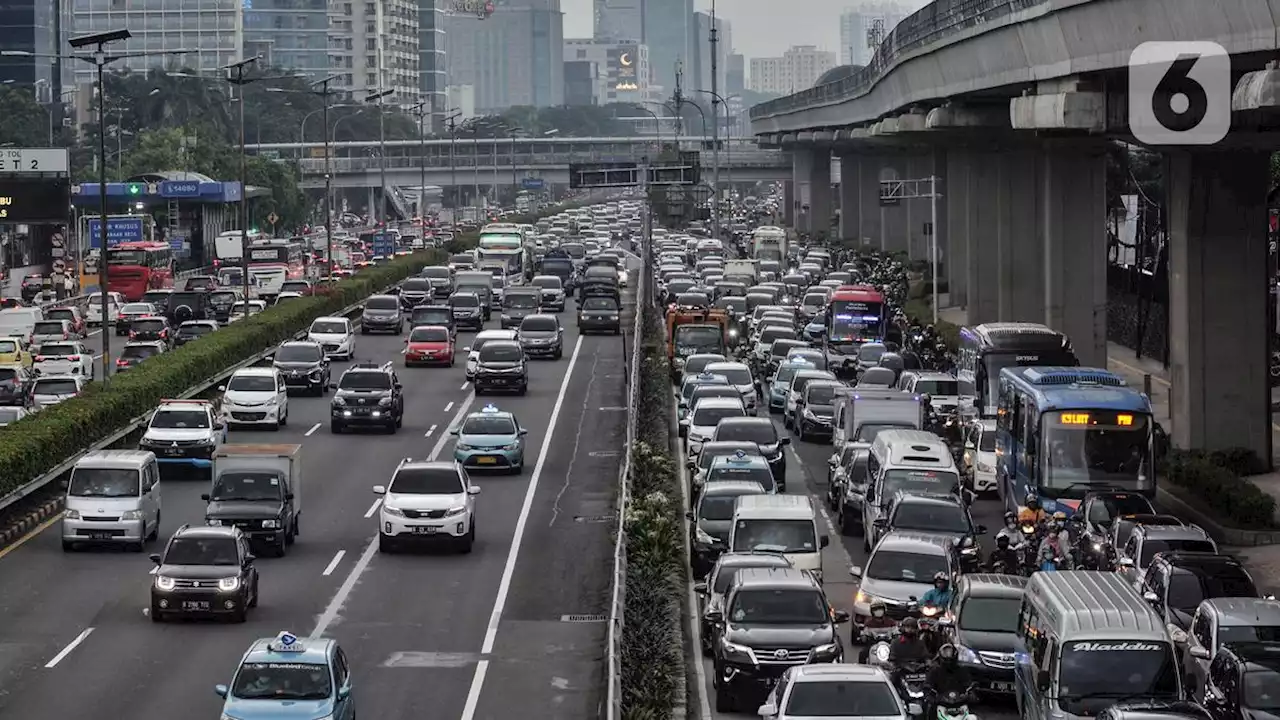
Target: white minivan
(786, 524)
(113, 498)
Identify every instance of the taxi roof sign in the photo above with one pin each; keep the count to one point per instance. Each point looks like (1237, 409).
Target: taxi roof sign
(490, 408)
(739, 456)
(286, 642)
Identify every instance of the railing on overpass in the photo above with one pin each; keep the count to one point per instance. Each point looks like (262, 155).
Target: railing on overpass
(936, 21)
(461, 145)
(745, 158)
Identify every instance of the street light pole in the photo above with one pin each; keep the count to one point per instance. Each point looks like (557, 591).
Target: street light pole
(382, 151)
(324, 92)
(236, 76)
(452, 120)
(420, 109)
(715, 127)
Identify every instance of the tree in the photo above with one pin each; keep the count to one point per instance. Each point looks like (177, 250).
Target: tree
(26, 122)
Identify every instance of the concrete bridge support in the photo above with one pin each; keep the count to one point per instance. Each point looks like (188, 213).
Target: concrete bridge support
(1018, 260)
(1074, 250)
(1218, 300)
(851, 209)
(982, 226)
(812, 169)
(955, 186)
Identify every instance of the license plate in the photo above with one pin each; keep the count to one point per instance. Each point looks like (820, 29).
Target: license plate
(195, 604)
(1002, 686)
(100, 536)
(487, 461)
(173, 451)
(425, 530)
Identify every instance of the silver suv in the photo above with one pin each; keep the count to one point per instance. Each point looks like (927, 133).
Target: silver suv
(382, 313)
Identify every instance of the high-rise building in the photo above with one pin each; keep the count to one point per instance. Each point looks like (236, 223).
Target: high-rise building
(698, 70)
(621, 69)
(212, 29)
(798, 69)
(858, 25)
(512, 55)
(618, 19)
(668, 31)
(735, 78)
(375, 46)
(431, 62)
(291, 34)
(41, 27)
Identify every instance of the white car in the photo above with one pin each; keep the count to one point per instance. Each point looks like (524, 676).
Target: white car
(427, 501)
(255, 396)
(703, 418)
(94, 314)
(796, 386)
(980, 455)
(10, 414)
(482, 337)
(184, 433)
(335, 335)
(238, 309)
(740, 377)
(52, 389)
(68, 357)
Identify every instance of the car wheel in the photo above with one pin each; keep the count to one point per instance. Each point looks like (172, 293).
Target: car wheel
(469, 540)
(335, 428)
(155, 531)
(156, 615)
(384, 544)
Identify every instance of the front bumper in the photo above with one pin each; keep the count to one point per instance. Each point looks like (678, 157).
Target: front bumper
(424, 528)
(991, 674)
(200, 456)
(598, 324)
(255, 415)
(469, 321)
(303, 379)
(984, 482)
(777, 402)
(253, 530)
(102, 531)
(429, 357)
(197, 601)
(485, 381)
(542, 350)
(361, 415)
(486, 459)
(821, 426)
(553, 303)
(381, 324)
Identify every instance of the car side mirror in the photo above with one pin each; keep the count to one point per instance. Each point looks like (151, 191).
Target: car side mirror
(855, 571)
(1199, 652)
(248, 559)
(333, 386)
(768, 710)
(455, 432)
(982, 529)
(839, 617)
(690, 515)
(288, 496)
(155, 558)
(399, 386)
(221, 690)
(784, 441)
(379, 489)
(222, 388)
(969, 446)
(523, 432)
(204, 497)
(344, 692)
(713, 616)
(466, 349)
(832, 461)
(700, 588)
(1125, 562)
(881, 522)
(473, 490)
(1150, 597)
(360, 308)
(824, 541)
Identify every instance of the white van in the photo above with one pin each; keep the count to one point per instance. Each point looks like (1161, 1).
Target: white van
(113, 498)
(786, 524)
(915, 461)
(20, 321)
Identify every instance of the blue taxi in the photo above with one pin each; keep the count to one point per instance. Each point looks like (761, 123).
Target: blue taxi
(491, 439)
(692, 381)
(741, 466)
(289, 678)
(781, 382)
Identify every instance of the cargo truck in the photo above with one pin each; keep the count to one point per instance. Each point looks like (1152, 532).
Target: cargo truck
(258, 488)
(861, 413)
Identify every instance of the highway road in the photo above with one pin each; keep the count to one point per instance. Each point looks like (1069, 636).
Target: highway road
(479, 636)
(807, 472)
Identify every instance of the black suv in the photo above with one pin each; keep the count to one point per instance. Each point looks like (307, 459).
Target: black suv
(381, 313)
(15, 382)
(416, 291)
(468, 310)
(368, 395)
(773, 619)
(1242, 681)
(303, 365)
(204, 571)
(221, 301)
(188, 305)
(151, 329)
(542, 336)
(259, 502)
(501, 366)
(984, 620)
(441, 279)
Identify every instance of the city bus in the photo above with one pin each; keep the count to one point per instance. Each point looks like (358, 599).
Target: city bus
(136, 267)
(505, 245)
(987, 349)
(272, 262)
(1063, 431)
(855, 315)
(227, 247)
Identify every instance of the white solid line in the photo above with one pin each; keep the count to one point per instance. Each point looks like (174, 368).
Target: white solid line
(504, 586)
(692, 626)
(430, 431)
(313, 429)
(465, 385)
(333, 564)
(339, 599)
(67, 650)
(448, 407)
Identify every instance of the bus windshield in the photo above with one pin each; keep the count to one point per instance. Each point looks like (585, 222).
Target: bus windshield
(1096, 674)
(691, 339)
(1084, 446)
(852, 320)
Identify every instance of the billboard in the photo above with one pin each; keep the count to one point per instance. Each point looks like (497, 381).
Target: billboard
(35, 200)
(477, 8)
(624, 66)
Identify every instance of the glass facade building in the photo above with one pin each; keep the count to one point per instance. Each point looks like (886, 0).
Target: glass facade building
(213, 29)
(291, 34)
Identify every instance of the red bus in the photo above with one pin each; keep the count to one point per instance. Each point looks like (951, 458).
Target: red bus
(136, 267)
(855, 315)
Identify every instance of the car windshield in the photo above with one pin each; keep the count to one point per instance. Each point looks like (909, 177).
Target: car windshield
(774, 333)
(429, 334)
(52, 386)
(1262, 685)
(920, 481)
(8, 346)
(431, 316)
(57, 350)
(416, 285)
(175, 419)
(1248, 634)
(842, 698)
(486, 425)
(822, 394)
(548, 283)
(538, 324)
(780, 607)
(225, 297)
(1152, 546)
(983, 614)
(781, 536)
(195, 330)
(427, 481)
(709, 416)
(763, 433)
(751, 472)
(437, 273)
(716, 507)
(202, 551)
(1096, 447)
(464, 301)
(737, 375)
(930, 517)
(936, 388)
(1093, 675)
(500, 352)
(252, 383)
(1105, 509)
(246, 486)
(103, 482)
(282, 681)
(522, 301)
(365, 381)
(902, 566)
(1187, 589)
(788, 371)
(329, 327)
(299, 354)
(61, 314)
(382, 302)
(814, 300)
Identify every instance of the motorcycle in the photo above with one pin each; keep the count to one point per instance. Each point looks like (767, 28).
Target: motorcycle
(955, 706)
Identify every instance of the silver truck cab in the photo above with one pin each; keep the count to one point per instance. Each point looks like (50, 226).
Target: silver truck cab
(113, 498)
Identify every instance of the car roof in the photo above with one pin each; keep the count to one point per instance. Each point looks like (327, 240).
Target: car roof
(753, 558)
(746, 459)
(495, 335)
(144, 343)
(207, 531)
(775, 577)
(720, 402)
(731, 487)
(255, 372)
(492, 410)
(748, 421)
(915, 542)
(316, 652)
(1244, 611)
(330, 317)
(726, 365)
(906, 497)
(843, 672)
(1172, 532)
(992, 585)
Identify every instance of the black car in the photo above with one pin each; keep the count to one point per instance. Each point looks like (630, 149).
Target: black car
(437, 315)
(15, 382)
(1243, 682)
(1154, 710)
(711, 519)
(204, 571)
(188, 305)
(1098, 511)
(304, 366)
(368, 395)
(847, 486)
(382, 313)
(600, 314)
(258, 502)
(221, 302)
(441, 279)
(773, 619)
(519, 303)
(542, 336)
(815, 410)
(761, 431)
(468, 310)
(984, 622)
(194, 330)
(932, 513)
(501, 367)
(135, 353)
(416, 291)
(151, 329)
(1177, 582)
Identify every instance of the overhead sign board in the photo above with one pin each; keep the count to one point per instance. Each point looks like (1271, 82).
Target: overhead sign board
(119, 229)
(34, 160)
(34, 200)
(532, 183)
(384, 245)
(180, 188)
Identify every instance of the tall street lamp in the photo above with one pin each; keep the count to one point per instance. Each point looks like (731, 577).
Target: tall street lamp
(382, 151)
(325, 92)
(94, 49)
(452, 121)
(421, 109)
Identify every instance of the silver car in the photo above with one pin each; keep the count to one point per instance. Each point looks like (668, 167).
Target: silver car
(52, 389)
(834, 691)
(113, 497)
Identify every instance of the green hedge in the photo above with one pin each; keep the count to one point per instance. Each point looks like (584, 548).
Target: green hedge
(652, 654)
(38, 443)
(1215, 482)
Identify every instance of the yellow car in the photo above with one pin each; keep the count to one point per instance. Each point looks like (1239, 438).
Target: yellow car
(14, 351)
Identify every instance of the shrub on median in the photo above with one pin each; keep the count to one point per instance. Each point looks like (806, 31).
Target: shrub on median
(34, 445)
(1214, 479)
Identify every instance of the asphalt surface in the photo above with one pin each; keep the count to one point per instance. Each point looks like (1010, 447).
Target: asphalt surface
(474, 636)
(807, 472)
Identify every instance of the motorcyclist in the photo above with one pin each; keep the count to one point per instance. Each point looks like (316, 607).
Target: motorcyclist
(879, 620)
(909, 647)
(1011, 530)
(947, 675)
(939, 596)
(1056, 545)
(1031, 513)
(1003, 556)
(930, 417)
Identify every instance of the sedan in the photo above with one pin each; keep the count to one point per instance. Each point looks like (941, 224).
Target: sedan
(429, 345)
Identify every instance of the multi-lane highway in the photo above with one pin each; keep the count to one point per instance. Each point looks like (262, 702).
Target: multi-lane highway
(513, 628)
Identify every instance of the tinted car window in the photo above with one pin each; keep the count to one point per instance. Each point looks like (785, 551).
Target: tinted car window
(382, 302)
(427, 481)
(500, 352)
(538, 324)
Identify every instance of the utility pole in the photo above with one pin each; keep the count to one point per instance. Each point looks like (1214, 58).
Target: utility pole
(715, 126)
(236, 75)
(677, 99)
(325, 93)
(420, 109)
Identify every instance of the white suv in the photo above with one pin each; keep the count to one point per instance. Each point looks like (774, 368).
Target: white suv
(427, 502)
(256, 396)
(184, 433)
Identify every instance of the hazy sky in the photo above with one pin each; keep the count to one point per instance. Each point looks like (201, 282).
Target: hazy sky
(761, 28)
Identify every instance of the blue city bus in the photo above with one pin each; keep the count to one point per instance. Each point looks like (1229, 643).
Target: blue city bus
(1063, 431)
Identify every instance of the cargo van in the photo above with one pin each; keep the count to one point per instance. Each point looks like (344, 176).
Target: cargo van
(860, 414)
(786, 524)
(113, 498)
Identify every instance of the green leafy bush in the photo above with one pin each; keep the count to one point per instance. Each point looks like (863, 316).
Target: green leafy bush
(1215, 480)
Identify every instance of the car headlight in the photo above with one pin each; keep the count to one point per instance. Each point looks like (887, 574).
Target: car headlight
(164, 583)
(983, 467)
(71, 514)
(338, 401)
(512, 446)
(826, 650)
(230, 584)
(463, 447)
(384, 402)
(730, 648)
(967, 655)
(393, 511)
(271, 524)
(454, 511)
(213, 522)
(701, 537)
(131, 515)
(862, 598)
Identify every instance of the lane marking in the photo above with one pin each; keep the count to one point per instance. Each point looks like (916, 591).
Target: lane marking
(508, 570)
(313, 429)
(333, 564)
(67, 650)
(430, 430)
(465, 385)
(26, 538)
(692, 625)
(339, 599)
(448, 407)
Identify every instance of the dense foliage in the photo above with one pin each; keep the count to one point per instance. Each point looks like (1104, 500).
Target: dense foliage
(1216, 482)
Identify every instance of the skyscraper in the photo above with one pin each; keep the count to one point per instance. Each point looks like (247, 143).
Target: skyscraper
(290, 34)
(618, 20)
(855, 24)
(36, 26)
(431, 62)
(375, 46)
(214, 29)
(669, 33)
(514, 56)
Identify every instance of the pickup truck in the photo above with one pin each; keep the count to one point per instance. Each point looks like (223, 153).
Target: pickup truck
(258, 488)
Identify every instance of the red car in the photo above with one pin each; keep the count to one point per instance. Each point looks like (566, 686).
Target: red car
(429, 345)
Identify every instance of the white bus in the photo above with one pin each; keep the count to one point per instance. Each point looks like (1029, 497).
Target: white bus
(227, 247)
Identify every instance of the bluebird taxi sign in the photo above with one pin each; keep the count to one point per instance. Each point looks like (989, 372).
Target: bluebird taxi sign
(490, 408)
(286, 642)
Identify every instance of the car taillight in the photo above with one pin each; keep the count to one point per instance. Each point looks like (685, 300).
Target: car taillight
(133, 333)
(38, 358)
(74, 358)
(121, 362)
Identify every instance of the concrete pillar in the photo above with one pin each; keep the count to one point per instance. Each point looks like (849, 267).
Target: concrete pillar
(1018, 260)
(955, 187)
(869, 215)
(1217, 300)
(984, 237)
(938, 170)
(1074, 201)
(918, 211)
(893, 218)
(850, 200)
(789, 203)
(801, 169)
(820, 193)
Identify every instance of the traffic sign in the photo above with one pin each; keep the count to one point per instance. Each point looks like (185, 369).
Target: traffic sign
(531, 183)
(273, 218)
(33, 160)
(179, 188)
(119, 229)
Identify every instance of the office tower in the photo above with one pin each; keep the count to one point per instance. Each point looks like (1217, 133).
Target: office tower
(213, 29)
(36, 26)
(511, 56)
(855, 24)
(618, 19)
(375, 46)
(431, 62)
(291, 34)
(619, 74)
(669, 33)
(798, 69)
(698, 70)
(736, 74)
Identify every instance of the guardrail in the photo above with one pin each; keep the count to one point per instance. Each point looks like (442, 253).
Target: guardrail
(936, 21)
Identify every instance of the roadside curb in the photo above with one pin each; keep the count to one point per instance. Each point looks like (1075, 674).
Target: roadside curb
(29, 521)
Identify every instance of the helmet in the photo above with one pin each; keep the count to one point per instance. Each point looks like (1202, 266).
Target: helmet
(909, 627)
(947, 653)
(1032, 501)
(878, 608)
(1011, 518)
(1059, 520)
(1002, 541)
(941, 577)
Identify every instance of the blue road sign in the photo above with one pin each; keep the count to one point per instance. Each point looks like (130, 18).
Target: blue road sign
(531, 183)
(119, 229)
(179, 189)
(384, 245)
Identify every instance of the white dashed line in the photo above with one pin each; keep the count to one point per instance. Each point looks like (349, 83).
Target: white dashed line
(333, 564)
(373, 508)
(448, 407)
(465, 385)
(431, 430)
(67, 650)
(312, 430)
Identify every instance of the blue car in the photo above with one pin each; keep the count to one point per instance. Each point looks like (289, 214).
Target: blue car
(288, 677)
(781, 381)
(491, 439)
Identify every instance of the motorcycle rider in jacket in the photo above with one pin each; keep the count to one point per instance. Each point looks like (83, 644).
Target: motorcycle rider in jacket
(1031, 513)
(939, 596)
(946, 675)
(879, 620)
(909, 647)
(1005, 555)
(1056, 546)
